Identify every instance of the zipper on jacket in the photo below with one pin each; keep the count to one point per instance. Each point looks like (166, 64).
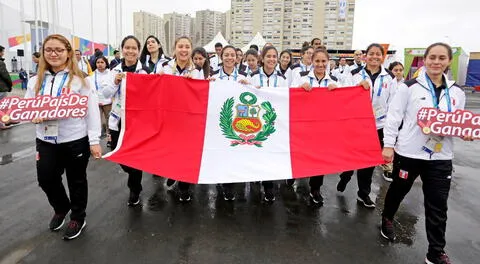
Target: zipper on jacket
(53, 81)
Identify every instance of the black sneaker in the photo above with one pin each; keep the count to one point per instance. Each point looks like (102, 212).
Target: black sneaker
(170, 184)
(269, 196)
(440, 259)
(342, 184)
(367, 202)
(290, 182)
(185, 196)
(387, 175)
(57, 222)
(134, 199)
(316, 197)
(387, 231)
(74, 229)
(228, 195)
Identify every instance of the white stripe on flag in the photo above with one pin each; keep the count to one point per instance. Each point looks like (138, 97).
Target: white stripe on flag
(243, 163)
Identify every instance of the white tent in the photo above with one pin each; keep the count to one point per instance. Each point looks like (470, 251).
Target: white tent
(257, 40)
(210, 47)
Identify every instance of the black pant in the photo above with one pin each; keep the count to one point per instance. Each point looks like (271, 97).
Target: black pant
(364, 176)
(436, 178)
(316, 182)
(134, 175)
(72, 158)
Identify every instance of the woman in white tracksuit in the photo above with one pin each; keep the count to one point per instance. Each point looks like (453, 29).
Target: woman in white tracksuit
(99, 80)
(417, 154)
(229, 72)
(318, 77)
(268, 76)
(130, 63)
(397, 69)
(64, 145)
(381, 84)
(182, 65)
(304, 65)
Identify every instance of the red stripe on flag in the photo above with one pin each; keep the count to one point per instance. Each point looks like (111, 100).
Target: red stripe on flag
(166, 111)
(332, 131)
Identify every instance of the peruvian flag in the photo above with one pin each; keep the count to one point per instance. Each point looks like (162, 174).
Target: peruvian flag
(221, 132)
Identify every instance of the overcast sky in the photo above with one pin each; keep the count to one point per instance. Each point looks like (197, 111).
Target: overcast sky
(402, 23)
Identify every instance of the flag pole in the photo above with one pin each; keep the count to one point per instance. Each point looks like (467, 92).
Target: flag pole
(91, 24)
(108, 31)
(73, 24)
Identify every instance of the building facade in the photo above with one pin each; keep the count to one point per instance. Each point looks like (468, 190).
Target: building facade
(289, 23)
(145, 24)
(177, 25)
(207, 24)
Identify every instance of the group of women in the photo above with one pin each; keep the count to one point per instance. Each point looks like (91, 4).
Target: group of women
(65, 145)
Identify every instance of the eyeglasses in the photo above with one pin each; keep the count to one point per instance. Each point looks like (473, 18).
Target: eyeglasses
(57, 51)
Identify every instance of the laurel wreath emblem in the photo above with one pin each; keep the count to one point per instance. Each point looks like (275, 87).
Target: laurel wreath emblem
(226, 122)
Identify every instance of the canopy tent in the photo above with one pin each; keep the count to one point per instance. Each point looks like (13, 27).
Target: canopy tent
(458, 68)
(257, 40)
(473, 72)
(210, 47)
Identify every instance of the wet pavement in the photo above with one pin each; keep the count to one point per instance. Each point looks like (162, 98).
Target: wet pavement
(211, 230)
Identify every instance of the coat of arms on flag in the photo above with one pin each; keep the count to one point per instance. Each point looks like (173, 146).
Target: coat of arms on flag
(247, 128)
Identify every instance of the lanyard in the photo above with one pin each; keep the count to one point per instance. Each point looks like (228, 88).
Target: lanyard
(325, 81)
(364, 76)
(235, 74)
(434, 96)
(261, 78)
(155, 68)
(96, 83)
(59, 90)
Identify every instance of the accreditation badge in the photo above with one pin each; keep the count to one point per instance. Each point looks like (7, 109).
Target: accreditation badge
(434, 144)
(50, 130)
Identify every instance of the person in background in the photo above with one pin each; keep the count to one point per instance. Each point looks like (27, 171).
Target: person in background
(6, 83)
(332, 65)
(397, 69)
(152, 54)
(35, 60)
(357, 61)
(82, 63)
(239, 60)
(93, 59)
(23, 76)
(316, 43)
(99, 80)
(116, 60)
(285, 61)
(417, 154)
(64, 145)
(14, 64)
(251, 56)
(253, 46)
(199, 56)
(216, 59)
(305, 64)
(341, 72)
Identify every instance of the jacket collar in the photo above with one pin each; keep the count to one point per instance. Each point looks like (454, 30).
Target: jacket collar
(311, 74)
(422, 79)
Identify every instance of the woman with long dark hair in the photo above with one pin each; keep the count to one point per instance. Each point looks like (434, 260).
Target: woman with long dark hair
(152, 54)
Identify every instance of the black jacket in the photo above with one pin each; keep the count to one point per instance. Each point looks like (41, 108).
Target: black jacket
(5, 80)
